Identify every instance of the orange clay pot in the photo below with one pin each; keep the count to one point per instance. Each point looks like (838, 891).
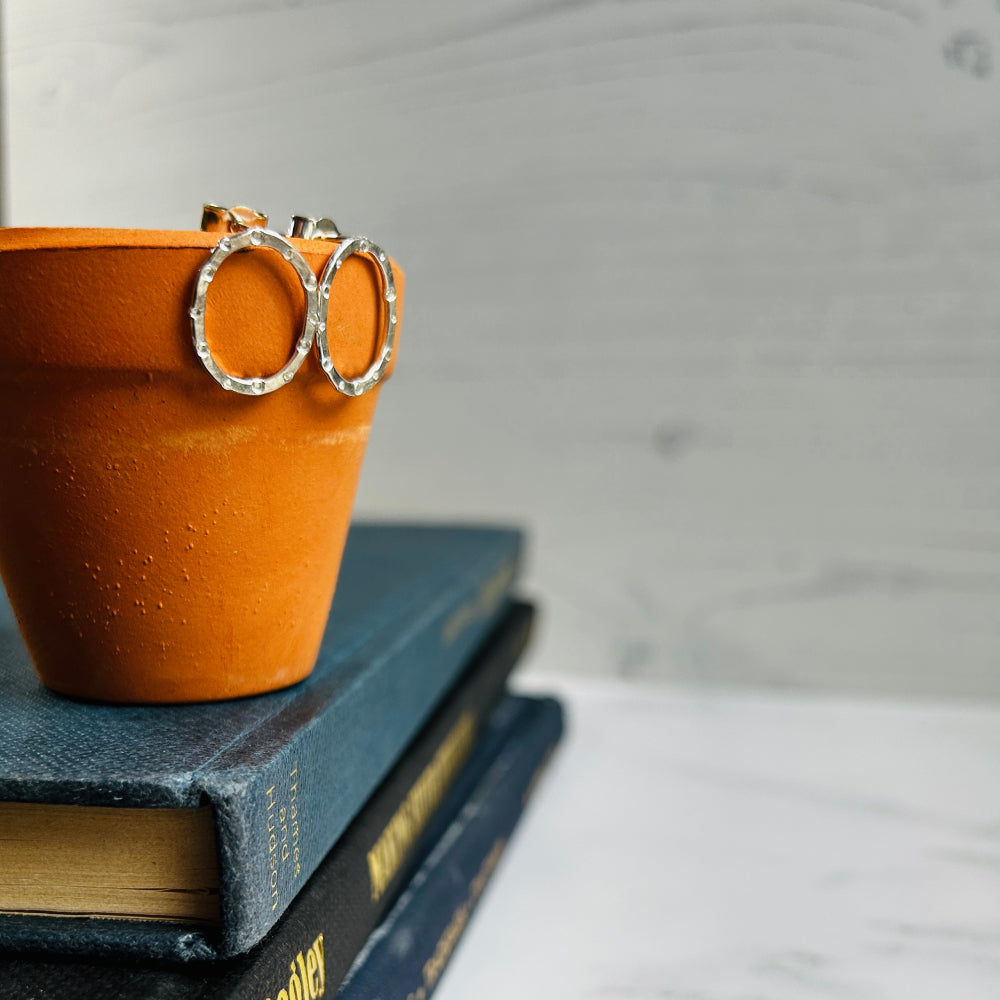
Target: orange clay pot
(162, 539)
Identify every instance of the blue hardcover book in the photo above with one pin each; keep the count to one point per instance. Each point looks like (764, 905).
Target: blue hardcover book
(325, 920)
(189, 829)
(406, 954)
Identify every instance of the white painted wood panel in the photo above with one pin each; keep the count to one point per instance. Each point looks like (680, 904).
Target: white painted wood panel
(704, 294)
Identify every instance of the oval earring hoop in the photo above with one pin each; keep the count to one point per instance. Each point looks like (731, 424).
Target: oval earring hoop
(371, 378)
(226, 246)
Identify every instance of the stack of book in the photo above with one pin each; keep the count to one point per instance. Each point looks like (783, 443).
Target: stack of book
(326, 840)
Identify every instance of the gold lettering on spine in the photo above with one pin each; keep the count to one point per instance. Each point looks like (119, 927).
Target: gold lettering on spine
(389, 851)
(272, 846)
(294, 813)
(434, 966)
(308, 975)
(294, 983)
(311, 975)
(283, 835)
(317, 949)
(481, 605)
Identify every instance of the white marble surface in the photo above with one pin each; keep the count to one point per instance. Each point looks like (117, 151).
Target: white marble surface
(715, 845)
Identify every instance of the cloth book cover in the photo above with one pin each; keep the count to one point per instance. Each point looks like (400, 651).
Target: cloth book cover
(303, 956)
(262, 787)
(405, 956)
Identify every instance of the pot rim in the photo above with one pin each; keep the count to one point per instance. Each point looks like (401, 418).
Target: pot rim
(18, 238)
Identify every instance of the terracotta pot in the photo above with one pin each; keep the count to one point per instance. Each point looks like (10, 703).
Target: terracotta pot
(162, 539)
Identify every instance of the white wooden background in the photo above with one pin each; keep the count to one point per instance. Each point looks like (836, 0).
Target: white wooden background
(706, 295)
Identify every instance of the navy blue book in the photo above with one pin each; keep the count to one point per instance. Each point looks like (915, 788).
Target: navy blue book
(187, 830)
(303, 956)
(405, 956)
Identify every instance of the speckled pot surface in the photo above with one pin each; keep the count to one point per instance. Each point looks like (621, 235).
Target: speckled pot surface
(162, 539)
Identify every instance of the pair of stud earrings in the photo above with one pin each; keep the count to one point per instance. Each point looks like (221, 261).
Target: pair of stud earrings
(241, 228)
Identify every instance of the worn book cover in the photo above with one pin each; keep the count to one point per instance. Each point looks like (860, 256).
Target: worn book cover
(198, 824)
(318, 940)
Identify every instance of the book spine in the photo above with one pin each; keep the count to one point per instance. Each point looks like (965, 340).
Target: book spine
(405, 956)
(375, 856)
(337, 907)
(367, 867)
(319, 914)
(332, 747)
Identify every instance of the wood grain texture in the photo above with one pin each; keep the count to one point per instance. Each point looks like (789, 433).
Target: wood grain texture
(704, 294)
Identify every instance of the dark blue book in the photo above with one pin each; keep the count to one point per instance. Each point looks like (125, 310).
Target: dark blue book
(305, 954)
(189, 829)
(405, 956)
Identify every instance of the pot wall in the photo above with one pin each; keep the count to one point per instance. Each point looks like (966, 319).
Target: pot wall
(162, 539)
